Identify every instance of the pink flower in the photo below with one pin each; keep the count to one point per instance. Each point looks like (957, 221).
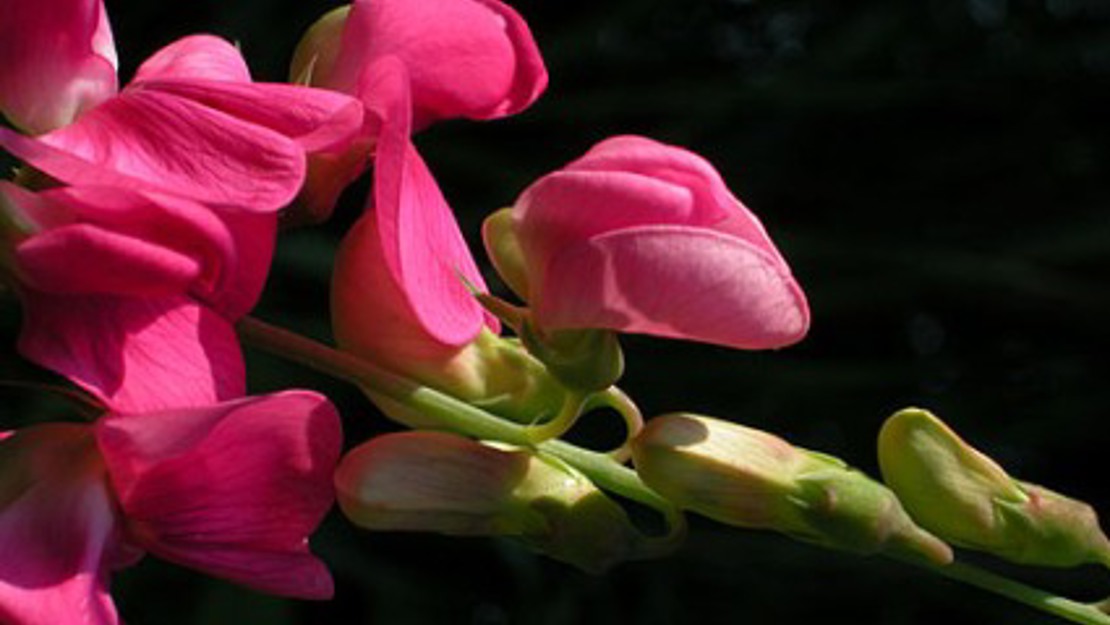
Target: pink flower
(466, 58)
(638, 236)
(232, 489)
(59, 61)
(132, 294)
(399, 289)
(192, 124)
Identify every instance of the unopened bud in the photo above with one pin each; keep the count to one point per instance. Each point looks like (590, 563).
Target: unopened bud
(749, 478)
(966, 498)
(437, 482)
(504, 250)
(316, 53)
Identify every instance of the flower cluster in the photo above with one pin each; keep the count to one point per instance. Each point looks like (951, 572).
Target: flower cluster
(138, 233)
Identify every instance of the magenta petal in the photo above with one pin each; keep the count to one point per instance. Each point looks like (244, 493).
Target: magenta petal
(234, 489)
(317, 119)
(59, 61)
(400, 283)
(677, 282)
(144, 140)
(57, 529)
(135, 354)
(467, 58)
(196, 57)
(86, 259)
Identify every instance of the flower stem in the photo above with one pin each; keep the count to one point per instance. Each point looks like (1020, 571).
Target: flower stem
(445, 411)
(1074, 611)
(450, 413)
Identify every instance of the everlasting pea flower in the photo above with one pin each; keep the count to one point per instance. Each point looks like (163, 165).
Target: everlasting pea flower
(59, 61)
(398, 290)
(192, 124)
(232, 489)
(638, 236)
(463, 58)
(466, 58)
(132, 295)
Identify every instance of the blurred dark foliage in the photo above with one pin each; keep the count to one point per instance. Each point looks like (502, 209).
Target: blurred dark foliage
(936, 172)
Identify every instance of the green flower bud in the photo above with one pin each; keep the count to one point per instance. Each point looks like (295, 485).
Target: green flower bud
(315, 55)
(504, 250)
(749, 478)
(966, 498)
(437, 482)
(584, 360)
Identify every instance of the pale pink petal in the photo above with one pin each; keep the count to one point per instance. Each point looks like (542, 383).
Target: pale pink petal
(233, 490)
(317, 119)
(59, 61)
(196, 57)
(145, 140)
(135, 354)
(57, 529)
(400, 282)
(674, 281)
(467, 58)
(711, 202)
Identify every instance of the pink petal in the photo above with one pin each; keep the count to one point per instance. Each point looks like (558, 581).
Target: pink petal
(233, 489)
(674, 281)
(398, 287)
(57, 529)
(145, 140)
(319, 120)
(197, 57)
(114, 241)
(135, 354)
(467, 58)
(83, 258)
(59, 61)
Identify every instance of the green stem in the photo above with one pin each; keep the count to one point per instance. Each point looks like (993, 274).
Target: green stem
(456, 415)
(446, 411)
(1068, 609)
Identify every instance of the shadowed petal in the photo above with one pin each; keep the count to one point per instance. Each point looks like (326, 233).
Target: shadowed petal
(59, 61)
(677, 282)
(57, 529)
(233, 490)
(137, 354)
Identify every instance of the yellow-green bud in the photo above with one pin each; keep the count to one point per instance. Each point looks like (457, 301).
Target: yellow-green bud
(749, 478)
(504, 250)
(437, 482)
(966, 498)
(315, 55)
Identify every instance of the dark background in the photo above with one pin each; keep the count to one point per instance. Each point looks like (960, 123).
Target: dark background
(935, 172)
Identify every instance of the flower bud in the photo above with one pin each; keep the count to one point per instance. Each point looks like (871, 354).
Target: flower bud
(437, 482)
(969, 500)
(316, 53)
(641, 237)
(749, 478)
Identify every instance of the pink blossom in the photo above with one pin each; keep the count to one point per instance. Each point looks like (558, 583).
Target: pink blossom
(132, 294)
(638, 236)
(192, 124)
(399, 290)
(466, 58)
(59, 61)
(232, 489)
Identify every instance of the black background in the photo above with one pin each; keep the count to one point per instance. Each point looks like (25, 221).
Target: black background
(936, 173)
